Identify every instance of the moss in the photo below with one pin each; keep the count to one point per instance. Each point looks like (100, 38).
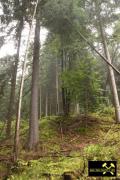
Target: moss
(107, 147)
(2, 167)
(99, 152)
(46, 130)
(93, 152)
(37, 169)
(106, 111)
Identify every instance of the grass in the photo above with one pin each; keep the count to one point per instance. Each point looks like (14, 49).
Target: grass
(39, 169)
(66, 151)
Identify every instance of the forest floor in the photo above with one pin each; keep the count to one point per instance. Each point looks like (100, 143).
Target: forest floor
(65, 147)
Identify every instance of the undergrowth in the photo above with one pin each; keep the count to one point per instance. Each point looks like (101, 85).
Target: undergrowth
(67, 151)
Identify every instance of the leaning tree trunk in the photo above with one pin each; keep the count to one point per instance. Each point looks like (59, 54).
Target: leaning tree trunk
(111, 72)
(33, 122)
(112, 83)
(13, 84)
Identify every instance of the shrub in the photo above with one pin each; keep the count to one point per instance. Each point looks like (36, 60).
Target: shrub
(98, 152)
(106, 111)
(93, 151)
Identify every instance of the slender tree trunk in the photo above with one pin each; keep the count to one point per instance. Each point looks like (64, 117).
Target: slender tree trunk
(40, 101)
(46, 104)
(113, 84)
(111, 72)
(33, 122)
(68, 67)
(13, 84)
(65, 91)
(62, 70)
(50, 110)
(77, 108)
(18, 119)
(57, 90)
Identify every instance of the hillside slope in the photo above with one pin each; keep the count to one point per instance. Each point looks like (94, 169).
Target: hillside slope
(64, 149)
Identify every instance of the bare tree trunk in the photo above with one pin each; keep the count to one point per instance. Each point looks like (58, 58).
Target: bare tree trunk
(64, 90)
(62, 70)
(77, 108)
(17, 126)
(113, 84)
(57, 90)
(46, 105)
(50, 110)
(33, 122)
(13, 84)
(111, 72)
(40, 101)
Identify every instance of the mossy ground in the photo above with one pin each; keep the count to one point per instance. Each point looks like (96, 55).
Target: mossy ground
(64, 146)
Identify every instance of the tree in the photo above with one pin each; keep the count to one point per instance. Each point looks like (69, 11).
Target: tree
(6, 70)
(111, 72)
(58, 15)
(13, 81)
(84, 84)
(33, 123)
(13, 11)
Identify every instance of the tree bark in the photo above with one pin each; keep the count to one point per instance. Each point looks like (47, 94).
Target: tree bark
(18, 119)
(46, 104)
(65, 91)
(33, 122)
(77, 108)
(13, 84)
(40, 102)
(57, 90)
(111, 72)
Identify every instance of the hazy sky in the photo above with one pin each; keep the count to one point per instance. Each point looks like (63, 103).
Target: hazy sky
(9, 49)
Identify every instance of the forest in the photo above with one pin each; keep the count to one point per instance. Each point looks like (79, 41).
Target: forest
(59, 88)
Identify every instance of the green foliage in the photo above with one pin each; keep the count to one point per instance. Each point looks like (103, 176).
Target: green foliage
(83, 77)
(6, 69)
(109, 153)
(81, 130)
(2, 135)
(47, 130)
(108, 147)
(106, 111)
(34, 169)
(84, 83)
(93, 151)
(99, 152)
(57, 15)
(49, 57)
(39, 169)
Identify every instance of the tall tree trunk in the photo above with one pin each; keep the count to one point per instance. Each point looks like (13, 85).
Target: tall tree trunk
(40, 102)
(46, 104)
(112, 83)
(111, 72)
(77, 108)
(57, 90)
(65, 91)
(13, 84)
(50, 108)
(33, 122)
